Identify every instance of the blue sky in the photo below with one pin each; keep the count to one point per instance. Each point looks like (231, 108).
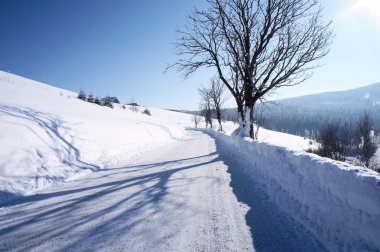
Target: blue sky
(121, 47)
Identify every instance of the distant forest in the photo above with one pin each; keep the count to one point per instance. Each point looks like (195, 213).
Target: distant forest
(308, 120)
(308, 115)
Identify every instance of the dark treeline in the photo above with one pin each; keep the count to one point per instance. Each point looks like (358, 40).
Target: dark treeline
(342, 141)
(344, 132)
(307, 121)
(304, 121)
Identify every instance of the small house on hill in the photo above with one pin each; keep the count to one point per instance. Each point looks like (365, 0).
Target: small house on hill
(110, 99)
(133, 104)
(91, 99)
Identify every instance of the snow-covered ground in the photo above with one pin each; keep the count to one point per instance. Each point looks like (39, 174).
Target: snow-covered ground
(47, 135)
(184, 196)
(276, 138)
(95, 178)
(339, 203)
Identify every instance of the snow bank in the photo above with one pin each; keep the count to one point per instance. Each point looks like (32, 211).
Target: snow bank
(47, 135)
(337, 202)
(276, 138)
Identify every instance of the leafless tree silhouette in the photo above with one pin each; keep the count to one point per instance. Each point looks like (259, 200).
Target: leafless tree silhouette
(255, 46)
(215, 93)
(367, 147)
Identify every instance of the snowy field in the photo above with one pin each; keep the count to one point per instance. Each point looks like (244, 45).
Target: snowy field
(47, 135)
(105, 175)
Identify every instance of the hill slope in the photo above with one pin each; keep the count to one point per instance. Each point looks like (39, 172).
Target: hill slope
(197, 185)
(368, 96)
(48, 135)
(310, 113)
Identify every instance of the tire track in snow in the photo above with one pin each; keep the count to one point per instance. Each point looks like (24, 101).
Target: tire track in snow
(181, 197)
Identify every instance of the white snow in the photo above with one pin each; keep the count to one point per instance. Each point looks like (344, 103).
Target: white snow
(177, 198)
(276, 138)
(47, 135)
(339, 203)
(115, 196)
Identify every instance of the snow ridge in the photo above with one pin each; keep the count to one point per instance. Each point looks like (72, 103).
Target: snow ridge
(48, 136)
(337, 202)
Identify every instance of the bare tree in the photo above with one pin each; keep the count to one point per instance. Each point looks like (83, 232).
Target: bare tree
(255, 46)
(335, 140)
(367, 147)
(196, 119)
(215, 93)
(259, 119)
(207, 114)
(82, 95)
(206, 106)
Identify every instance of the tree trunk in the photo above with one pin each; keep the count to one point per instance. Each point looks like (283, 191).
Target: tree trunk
(219, 117)
(249, 127)
(249, 105)
(241, 117)
(251, 121)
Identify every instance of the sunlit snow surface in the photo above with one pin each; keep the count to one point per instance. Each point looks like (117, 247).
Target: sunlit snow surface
(49, 137)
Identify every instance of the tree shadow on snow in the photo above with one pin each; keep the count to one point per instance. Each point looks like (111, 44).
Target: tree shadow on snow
(40, 209)
(61, 140)
(271, 229)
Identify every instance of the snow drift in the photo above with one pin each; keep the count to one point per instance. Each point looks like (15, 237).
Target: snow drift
(47, 135)
(337, 202)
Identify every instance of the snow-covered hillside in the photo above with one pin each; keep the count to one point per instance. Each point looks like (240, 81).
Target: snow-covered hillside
(368, 95)
(291, 200)
(48, 135)
(306, 115)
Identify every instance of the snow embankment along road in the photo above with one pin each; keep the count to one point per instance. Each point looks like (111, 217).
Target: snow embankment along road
(276, 138)
(181, 197)
(339, 203)
(48, 136)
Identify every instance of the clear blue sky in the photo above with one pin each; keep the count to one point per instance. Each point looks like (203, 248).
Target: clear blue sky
(121, 47)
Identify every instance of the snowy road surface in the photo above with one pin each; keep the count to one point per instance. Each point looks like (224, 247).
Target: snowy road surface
(182, 197)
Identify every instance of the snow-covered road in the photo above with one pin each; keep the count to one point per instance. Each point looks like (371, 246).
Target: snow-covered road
(182, 197)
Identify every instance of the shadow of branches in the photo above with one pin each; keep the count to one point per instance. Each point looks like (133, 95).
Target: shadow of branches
(57, 130)
(59, 213)
(271, 229)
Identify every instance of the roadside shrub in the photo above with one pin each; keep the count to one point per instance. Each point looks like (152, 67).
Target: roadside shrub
(98, 101)
(367, 147)
(108, 104)
(147, 112)
(82, 95)
(336, 141)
